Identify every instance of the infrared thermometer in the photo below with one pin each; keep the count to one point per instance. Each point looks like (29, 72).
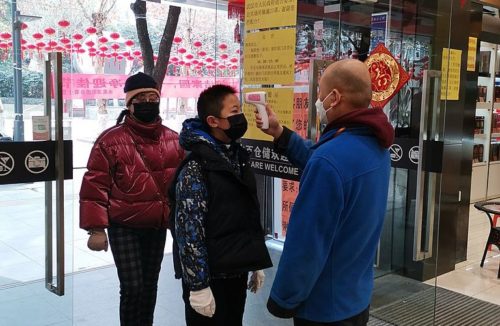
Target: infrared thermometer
(259, 100)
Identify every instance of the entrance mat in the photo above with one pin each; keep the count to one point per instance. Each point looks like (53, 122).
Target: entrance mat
(452, 309)
(377, 322)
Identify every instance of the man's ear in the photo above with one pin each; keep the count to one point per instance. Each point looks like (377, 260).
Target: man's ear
(212, 121)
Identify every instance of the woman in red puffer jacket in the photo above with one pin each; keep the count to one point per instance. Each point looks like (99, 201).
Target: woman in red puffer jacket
(125, 191)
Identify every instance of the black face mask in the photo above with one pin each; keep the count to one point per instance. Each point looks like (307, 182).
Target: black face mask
(146, 112)
(238, 126)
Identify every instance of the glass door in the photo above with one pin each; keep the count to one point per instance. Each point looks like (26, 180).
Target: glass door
(36, 190)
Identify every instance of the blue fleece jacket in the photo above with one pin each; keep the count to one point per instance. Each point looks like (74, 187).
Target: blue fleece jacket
(326, 269)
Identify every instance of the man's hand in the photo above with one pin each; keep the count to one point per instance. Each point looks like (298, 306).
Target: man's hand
(203, 302)
(275, 129)
(98, 240)
(256, 281)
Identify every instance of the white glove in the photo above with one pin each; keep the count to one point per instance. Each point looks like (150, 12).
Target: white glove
(203, 302)
(98, 240)
(256, 281)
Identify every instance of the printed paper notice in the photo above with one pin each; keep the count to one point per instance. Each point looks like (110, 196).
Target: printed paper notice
(269, 57)
(450, 73)
(280, 100)
(40, 127)
(261, 14)
(471, 57)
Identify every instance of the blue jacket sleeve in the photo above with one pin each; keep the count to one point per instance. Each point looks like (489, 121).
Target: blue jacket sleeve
(191, 211)
(310, 236)
(299, 150)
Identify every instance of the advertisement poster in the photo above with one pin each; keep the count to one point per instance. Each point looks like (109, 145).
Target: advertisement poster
(41, 127)
(450, 70)
(378, 32)
(471, 57)
(260, 14)
(269, 57)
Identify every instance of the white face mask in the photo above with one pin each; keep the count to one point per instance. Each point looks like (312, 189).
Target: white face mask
(320, 110)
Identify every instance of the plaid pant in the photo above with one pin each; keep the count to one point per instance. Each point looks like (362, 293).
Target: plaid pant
(138, 254)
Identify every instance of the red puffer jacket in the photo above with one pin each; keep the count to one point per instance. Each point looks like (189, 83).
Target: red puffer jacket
(118, 187)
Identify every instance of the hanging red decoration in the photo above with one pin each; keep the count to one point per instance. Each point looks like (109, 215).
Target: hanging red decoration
(155, 57)
(115, 46)
(234, 60)
(197, 44)
(103, 39)
(182, 50)
(89, 44)
(5, 36)
(202, 53)
(222, 67)
(136, 53)
(224, 56)
(215, 63)
(63, 23)
(49, 31)
(195, 62)
(4, 46)
(78, 36)
(77, 45)
(81, 51)
(59, 48)
(68, 46)
(65, 40)
(223, 46)
(24, 26)
(91, 30)
(92, 54)
(40, 44)
(209, 60)
(23, 41)
(189, 56)
(234, 67)
(37, 36)
(182, 63)
(177, 39)
(103, 48)
(92, 49)
(119, 57)
(114, 35)
(129, 43)
(130, 58)
(52, 43)
(174, 59)
(31, 46)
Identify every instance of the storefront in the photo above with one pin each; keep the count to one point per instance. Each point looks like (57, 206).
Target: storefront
(441, 108)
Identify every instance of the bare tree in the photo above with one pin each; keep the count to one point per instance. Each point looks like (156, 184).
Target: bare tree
(158, 70)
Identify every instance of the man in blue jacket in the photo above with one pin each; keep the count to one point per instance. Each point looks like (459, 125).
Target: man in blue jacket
(325, 275)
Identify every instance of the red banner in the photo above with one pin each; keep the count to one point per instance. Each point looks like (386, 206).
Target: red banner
(86, 86)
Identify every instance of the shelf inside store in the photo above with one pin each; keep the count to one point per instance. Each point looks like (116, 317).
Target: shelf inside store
(494, 162)
(475, 165)
(483, 106)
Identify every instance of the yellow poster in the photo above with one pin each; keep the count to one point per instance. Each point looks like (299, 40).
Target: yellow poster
(261, 14)
(280, 100)
(450, 74)
(471, 57)
(269, 57)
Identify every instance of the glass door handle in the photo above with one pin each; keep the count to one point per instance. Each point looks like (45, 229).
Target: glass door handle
(431, 127)
(56, 287)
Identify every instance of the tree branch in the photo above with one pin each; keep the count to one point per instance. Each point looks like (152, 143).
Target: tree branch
(139, 9)
(166, 45)
(111, 7)
(87, 16)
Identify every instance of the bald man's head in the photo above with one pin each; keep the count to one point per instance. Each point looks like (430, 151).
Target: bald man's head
(352, 79)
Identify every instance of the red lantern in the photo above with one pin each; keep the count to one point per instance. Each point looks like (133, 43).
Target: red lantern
(126, 54)
(24, 26)
(52, 43)
(92, 54)
(209, 60)
(63, 23)
(68, 46)
(224, 56)
(102, 55)
(182, 63)
(195, 62)
(89, 44)
(215, 63)
(234, 60)
(115, 46)
(5, 36)
(103, 48)
(197, 44)
(130, 58)
(222, 67)
(182, 50)
(189, 56)
(129, 43)
(119, 57)
(114, 35)
(92, 49)
(31, 46)
(37, 36)
(137, 53)
(59, 48)
(77, 45)
(234, 67)
(49, 31)
(23, 41)
(103, 39)
(91, 30)
(65, 40)
(80, 51)
(177, 39)
(78, 36)
(4, 46)
(202, 53)
(40, 44)
(155, 57)
(174, 59)
(223, 46)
